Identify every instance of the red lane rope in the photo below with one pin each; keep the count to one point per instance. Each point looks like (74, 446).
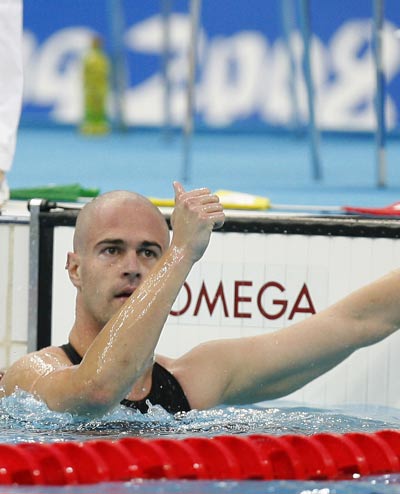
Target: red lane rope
(323, 456)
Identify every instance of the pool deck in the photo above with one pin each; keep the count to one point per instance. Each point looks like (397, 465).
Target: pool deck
(274, 165)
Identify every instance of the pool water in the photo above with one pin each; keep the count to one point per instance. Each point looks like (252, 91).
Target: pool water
(24, 419)
(381, 485)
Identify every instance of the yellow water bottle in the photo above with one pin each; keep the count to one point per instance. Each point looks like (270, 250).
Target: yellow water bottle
(96, 70)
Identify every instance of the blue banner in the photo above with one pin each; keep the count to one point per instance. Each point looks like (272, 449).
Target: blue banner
(249, 65)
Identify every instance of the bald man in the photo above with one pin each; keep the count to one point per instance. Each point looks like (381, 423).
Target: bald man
(127, 275)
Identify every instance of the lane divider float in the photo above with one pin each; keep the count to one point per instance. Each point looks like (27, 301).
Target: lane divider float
(322, 456)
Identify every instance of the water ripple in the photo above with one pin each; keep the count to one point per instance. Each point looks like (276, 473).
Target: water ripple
(23, 419)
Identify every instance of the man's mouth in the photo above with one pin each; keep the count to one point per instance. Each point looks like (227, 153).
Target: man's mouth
(125, 294)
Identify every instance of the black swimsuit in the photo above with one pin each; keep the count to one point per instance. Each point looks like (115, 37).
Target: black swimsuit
(165, 389)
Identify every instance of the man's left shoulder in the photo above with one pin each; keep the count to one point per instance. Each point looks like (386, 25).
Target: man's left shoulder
(166, 362)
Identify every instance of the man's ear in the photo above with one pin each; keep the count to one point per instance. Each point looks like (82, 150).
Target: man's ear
(73, 267)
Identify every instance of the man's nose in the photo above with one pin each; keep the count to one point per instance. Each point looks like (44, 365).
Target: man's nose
(131, 265)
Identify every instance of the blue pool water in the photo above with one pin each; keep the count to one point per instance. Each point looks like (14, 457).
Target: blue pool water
(23, 419)
(381, 485)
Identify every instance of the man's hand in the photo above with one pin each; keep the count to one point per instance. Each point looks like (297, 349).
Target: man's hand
(195, 215)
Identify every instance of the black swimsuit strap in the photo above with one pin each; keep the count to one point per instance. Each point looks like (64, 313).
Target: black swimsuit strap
(71, 353)
(165, 388)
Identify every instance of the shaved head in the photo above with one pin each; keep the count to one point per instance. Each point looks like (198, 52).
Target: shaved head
(93, 213)
(119, 237)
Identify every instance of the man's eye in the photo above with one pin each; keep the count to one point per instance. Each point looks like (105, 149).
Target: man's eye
(112, 251)
(148, 253)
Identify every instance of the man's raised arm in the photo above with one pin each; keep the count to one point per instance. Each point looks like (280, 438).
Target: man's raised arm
(124, 348)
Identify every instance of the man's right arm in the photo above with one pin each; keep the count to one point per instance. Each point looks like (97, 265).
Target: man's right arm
(124, 348)
(117, 357)
(26, 371)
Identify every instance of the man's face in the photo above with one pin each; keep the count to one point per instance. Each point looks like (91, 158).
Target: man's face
(122, 244)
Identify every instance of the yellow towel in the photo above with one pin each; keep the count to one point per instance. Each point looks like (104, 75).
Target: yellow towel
(229, 199)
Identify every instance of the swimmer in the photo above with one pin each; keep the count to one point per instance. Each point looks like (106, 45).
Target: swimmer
(127, 274)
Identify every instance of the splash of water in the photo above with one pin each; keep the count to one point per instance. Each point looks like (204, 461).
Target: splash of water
(23, 418)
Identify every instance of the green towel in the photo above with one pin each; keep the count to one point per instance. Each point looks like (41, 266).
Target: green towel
(68, 193)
